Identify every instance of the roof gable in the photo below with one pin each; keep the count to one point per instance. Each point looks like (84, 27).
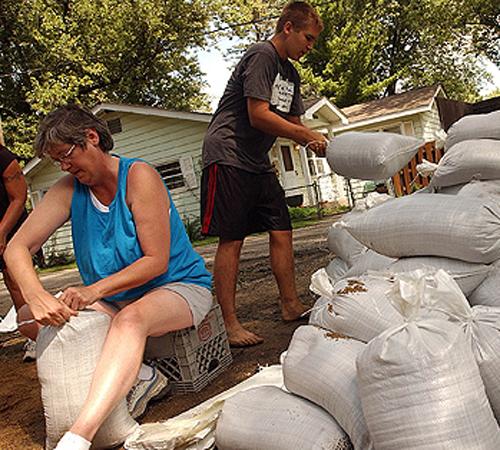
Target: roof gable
(394, 104)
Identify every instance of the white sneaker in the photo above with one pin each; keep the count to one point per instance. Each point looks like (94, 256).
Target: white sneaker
(29, 348)
(145, 391)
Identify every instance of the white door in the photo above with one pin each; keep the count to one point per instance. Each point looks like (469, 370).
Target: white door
(289, 173)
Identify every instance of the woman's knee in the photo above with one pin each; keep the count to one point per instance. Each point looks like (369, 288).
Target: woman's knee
(129, 319)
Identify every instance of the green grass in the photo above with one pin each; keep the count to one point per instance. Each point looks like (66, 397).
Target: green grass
(56, 268)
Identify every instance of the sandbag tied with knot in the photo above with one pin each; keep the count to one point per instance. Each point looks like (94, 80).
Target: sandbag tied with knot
(268, 418)
(468, 160)
(321, 366)
(355, 307)
(419, 384)
(474, 126)
(431, 225)
(481, 325)
(370, 155)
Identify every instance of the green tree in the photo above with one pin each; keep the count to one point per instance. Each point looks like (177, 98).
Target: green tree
(371, 48)
(57, 51)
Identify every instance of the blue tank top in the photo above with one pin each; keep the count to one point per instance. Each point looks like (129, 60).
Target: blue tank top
(106, 242)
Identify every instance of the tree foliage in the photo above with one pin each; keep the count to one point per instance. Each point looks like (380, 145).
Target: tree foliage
(89, 51)
(374, 47)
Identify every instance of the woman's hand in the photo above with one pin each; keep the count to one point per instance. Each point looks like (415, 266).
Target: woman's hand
(48, 310)
(78, 298)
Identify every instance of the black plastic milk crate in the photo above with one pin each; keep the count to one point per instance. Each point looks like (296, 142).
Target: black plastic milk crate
(192, 357)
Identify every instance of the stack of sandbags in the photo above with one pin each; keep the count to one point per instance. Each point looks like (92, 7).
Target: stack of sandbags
(419, 384)
(366, 156)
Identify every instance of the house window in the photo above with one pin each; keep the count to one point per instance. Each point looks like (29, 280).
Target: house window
(394, 129)
(171, 174)
(287, 158)
(114, 125)
(408, 129)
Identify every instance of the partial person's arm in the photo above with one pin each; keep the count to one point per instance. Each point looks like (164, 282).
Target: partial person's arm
(17, 191)
(48, 216)
(149, 203)
(262, 118)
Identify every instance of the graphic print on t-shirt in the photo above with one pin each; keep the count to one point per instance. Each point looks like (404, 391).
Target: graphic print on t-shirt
(282, 94)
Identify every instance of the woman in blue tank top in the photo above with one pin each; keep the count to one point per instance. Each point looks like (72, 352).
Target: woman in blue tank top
(133, 254)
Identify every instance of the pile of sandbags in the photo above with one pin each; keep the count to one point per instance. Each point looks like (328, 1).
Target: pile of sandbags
(394, 353)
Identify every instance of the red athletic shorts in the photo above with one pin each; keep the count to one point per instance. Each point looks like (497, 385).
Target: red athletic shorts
(236, 203)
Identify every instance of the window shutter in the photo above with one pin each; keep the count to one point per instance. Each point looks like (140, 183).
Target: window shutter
(187, 169)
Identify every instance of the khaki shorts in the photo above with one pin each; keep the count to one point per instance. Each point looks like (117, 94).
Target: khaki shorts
(198, 298)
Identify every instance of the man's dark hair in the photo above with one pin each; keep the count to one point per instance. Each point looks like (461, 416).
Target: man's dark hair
(300, 14)
(69, 124)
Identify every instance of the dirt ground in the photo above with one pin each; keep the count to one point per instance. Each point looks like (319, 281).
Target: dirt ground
(21, 414)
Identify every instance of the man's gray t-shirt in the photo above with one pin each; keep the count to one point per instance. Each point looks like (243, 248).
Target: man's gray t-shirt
(263, 75)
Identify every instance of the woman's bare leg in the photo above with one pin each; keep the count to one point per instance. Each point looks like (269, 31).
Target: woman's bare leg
(155, 314)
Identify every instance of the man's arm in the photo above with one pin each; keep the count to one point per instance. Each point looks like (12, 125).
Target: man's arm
(17, 191)
(262, 118)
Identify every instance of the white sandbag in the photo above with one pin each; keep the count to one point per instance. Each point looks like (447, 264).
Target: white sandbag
(268, 418)
(342, 244)
(481, 190)
(321, 367)
(474, 126)
(481, 325)
(355, 307)
(431, 225)
(467, 275)
(369, 261)
(419, 385)
(336, 269)
(370, 155)
(371, 200)
(66, 358)
(488, 292)
(469, 160)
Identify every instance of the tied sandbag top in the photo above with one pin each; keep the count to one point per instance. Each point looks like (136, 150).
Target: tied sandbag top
(371, 156)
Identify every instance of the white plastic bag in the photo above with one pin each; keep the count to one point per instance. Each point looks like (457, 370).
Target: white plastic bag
(419, 384)
(355, 307)
(271, 419)
(66, 358)
(321, 367)
(370, 155)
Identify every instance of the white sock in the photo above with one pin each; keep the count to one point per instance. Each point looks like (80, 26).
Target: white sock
(72, 441)
(145, 372)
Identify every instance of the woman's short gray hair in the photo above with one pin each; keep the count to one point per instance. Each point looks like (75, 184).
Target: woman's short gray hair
(69, 124)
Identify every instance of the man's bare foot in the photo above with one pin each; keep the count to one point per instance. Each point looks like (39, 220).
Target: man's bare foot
(241, 337)
(291, 311)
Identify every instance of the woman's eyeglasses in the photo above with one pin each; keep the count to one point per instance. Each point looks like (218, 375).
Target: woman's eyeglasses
(65, 157)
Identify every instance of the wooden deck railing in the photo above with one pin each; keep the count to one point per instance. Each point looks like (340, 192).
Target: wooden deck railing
(407, 180)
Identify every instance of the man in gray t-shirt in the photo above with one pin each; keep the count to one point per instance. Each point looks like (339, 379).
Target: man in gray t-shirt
(240, 192)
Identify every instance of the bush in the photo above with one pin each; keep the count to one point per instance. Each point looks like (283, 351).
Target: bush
(193, 228)
(302, 213)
